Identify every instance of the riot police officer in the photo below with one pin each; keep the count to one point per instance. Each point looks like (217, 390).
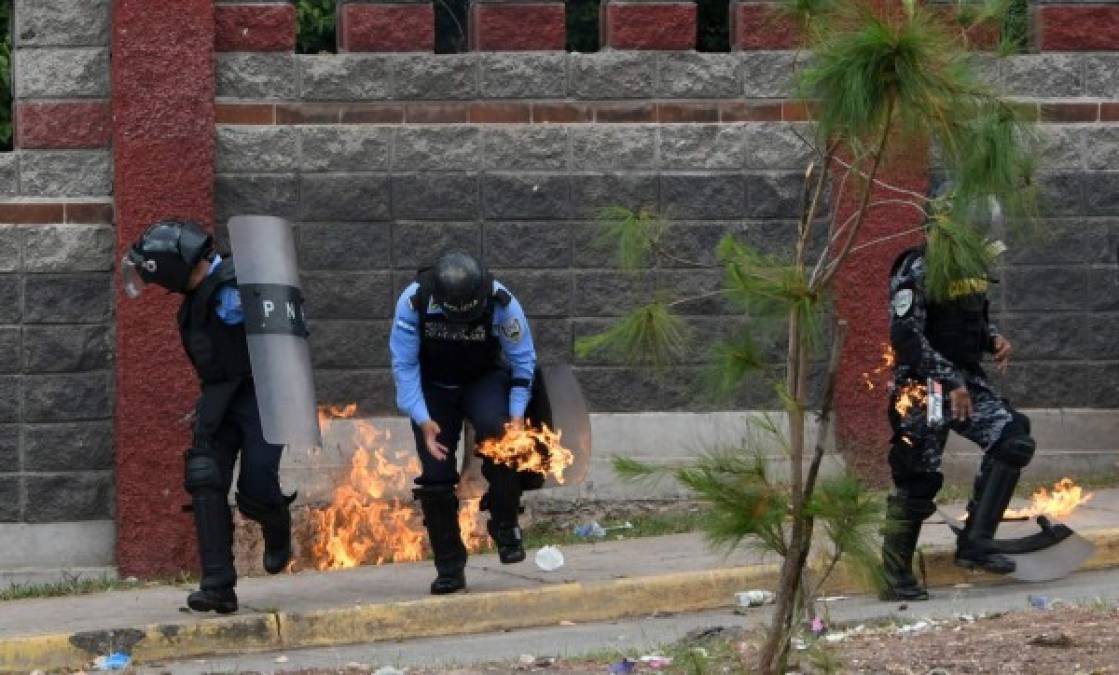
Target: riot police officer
(461, 350)
(180, 257)
(942, 343)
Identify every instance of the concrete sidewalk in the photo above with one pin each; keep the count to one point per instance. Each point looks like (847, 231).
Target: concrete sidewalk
(603, 581)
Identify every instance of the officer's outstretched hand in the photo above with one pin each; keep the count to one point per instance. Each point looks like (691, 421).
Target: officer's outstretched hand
(1002, 352)
(961, 403)
(517, 423)
(431, 432)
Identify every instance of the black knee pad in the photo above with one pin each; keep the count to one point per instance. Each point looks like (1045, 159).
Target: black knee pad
(920, 486)
(202, 474)
(1015, 446)
(913, 508)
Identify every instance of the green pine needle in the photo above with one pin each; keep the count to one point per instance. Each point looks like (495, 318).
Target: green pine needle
(648, 336)
(633, 233)
(955, 254)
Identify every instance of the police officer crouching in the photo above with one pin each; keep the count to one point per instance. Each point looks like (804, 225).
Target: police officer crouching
(461, 350)
(180, 257)
(943, 342)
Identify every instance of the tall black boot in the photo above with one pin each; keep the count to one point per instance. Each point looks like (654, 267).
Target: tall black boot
(275, 524)
(974, 544)
(440, 509)
(902, 530)
(213, 521)
(503, 499)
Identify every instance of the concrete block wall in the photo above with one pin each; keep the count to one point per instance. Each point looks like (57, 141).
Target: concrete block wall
(56, 254)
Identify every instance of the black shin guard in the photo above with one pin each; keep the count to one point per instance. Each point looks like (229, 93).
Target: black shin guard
(213, 520)
(440, 509)
(275, 524)
(904, 517)
(974, 545)
(504, 503)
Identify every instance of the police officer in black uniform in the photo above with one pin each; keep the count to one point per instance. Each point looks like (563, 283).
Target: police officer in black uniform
(180, 257)
(944, 343)
(462, 350)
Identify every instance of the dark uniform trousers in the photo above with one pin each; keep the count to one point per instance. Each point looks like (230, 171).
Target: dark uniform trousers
(485, 402)
(239, 433)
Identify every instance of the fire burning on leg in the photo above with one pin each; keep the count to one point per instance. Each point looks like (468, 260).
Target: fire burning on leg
(519, 448)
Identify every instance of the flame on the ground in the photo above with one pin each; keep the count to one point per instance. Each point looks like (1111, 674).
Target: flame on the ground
(519, 448)
(1065, 498)
(363, 524)
(888, 361)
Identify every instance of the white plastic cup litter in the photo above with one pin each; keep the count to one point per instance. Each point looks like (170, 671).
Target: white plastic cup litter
(754, 598)
(549, 558)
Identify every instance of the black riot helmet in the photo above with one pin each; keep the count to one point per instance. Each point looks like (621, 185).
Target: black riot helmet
(166, 255)
(461, 287)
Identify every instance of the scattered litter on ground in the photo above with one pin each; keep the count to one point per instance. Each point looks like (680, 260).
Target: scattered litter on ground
(281, 659)
(549, 558)
(701, 634)
(817, 626)
(755, 598)
(1060, 640)
(656, 661)
(354, 665)
(622, 667)
(965, 585)
(114, 661)
(567, 623)
(591, 530)
(388, 670)
(526, 659)
(833, 598)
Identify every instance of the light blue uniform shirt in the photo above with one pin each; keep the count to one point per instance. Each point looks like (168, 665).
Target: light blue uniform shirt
(509, 325)
(229, 308)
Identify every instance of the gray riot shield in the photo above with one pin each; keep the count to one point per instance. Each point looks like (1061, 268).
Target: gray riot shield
(268, 277)
(558, 402)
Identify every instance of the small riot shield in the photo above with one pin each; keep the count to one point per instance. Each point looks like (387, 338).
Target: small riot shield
(268, 277)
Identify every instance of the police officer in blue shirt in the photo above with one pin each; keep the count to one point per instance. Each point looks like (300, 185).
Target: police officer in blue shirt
(180, 257)
(461, 350)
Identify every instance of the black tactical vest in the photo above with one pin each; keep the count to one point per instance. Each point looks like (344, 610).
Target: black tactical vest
(453, 353)
(219, 352)
(958, 328)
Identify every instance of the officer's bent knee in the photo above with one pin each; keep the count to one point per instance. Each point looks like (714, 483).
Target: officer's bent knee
(202, 474)
(924, 486)
(915, 508)
(1015, 450)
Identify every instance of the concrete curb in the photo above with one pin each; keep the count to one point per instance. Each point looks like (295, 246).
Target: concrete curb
(457, 614)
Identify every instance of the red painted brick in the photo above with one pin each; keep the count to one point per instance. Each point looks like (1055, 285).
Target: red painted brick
(626, 112)
(1070, 28)
(89, 213)
(747, 111)
(1070, 111)
(373, 113)
(687, 112)
(982, 36)
(503, 113)
(32, 213)
(1109, 112)
(254, 28)
(70, 124)
(436, 113)
(308, 113)
(761, 26)
(405, 27)
(245, 113)
(650, 25)
(512, 27)
(562, 113)
(797, 111)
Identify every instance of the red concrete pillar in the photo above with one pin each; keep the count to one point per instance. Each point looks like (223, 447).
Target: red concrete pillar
(254, 26)
(648, 24)
(862, 298)
(517, 25)
(386, 26)
(1071, 27)
(758, 25)
(163, 149)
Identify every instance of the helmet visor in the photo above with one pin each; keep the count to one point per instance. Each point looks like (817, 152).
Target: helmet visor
(130, 278)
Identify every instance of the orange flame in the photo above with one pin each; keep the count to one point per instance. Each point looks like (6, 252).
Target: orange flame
(363, 524)
(888, 361)
(909, 396)
(518, 449)
(1066, 497)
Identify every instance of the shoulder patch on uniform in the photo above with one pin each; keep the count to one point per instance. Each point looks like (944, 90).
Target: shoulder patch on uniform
(512, 330)
(902, 301)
